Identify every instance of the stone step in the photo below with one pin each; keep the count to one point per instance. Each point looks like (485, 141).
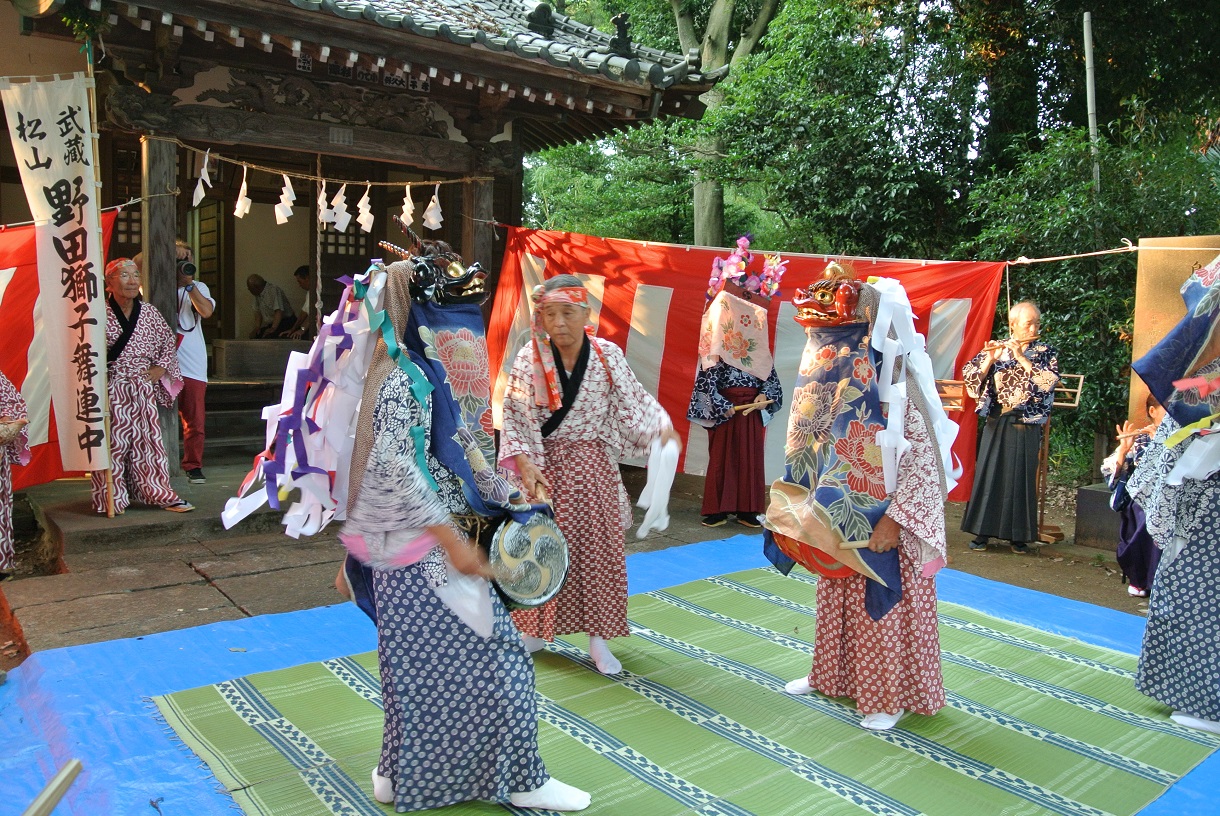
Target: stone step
(64, 513)
(228, 423)
(235, 359)
(244, 394)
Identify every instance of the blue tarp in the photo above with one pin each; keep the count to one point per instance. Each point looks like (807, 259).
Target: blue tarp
(91, 702)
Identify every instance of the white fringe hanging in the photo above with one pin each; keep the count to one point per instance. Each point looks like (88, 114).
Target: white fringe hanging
(433, 216)
(338, 207)
(408, 207)
(365, 208)
(283, 210)
(204, 179)
(243, 201)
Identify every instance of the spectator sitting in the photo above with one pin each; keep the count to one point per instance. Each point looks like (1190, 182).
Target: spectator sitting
(1137, 554)
(304, 328)
(273, 314)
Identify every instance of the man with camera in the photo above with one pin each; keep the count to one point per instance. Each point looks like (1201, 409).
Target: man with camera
(195, 304)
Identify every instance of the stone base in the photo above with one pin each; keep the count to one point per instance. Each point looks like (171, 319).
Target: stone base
(1096, 523)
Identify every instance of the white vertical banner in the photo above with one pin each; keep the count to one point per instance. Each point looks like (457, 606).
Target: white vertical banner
(52, 139)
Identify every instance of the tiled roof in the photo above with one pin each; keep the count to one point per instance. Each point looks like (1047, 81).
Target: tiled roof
(502, 25)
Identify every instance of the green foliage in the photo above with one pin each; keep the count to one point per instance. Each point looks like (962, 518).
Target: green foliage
(1152, 183)
(635, 185)
(924, 128)
(860, 143)
(83, 23)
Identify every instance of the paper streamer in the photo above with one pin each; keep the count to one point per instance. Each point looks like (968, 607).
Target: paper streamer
(283, 210)
(408, 207)
(338, 208)
(204, 180)
(365, 209)
(243, 201)
(432, 215)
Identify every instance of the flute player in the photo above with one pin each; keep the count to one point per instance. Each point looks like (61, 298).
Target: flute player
(1014, 383)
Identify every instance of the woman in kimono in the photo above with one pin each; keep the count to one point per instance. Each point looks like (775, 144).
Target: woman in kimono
(142, 367)
(1137, 555)
(572, 411)
(457, 682)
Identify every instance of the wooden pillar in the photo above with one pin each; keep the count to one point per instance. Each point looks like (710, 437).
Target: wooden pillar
(158, 219)
(478, 236)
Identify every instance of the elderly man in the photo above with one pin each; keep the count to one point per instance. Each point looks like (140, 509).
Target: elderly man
(142, 366)
(273, 314)
(1014, 382)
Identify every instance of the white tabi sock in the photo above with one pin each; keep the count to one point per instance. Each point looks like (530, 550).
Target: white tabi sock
(606, 662)
(554, 795)
(1198, 723)
(533, 644)
(799, 686)
(383, 789)
(880, 721)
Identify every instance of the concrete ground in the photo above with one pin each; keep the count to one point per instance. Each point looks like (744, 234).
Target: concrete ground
(151, 571)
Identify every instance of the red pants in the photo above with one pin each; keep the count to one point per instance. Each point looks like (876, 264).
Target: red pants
(190, 409)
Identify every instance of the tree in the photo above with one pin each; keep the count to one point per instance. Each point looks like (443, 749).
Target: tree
(1154, 182)
(722, 32)
(857, 127)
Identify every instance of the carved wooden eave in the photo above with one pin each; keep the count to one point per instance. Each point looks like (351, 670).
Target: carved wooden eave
(134, 109)
(556, 80)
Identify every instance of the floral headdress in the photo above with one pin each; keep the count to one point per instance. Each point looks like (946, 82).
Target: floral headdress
(736, 268)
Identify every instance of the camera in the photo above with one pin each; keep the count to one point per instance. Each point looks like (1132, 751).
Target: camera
(185, 267)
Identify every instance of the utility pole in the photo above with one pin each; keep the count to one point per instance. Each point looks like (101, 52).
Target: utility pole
(1091, 97)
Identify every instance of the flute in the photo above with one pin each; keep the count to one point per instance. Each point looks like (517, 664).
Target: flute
(1150, 429)
(993, 345)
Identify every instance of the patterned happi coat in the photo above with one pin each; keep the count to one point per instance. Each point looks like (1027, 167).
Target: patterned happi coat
(137, 452)
(612, 419)
(15, 452)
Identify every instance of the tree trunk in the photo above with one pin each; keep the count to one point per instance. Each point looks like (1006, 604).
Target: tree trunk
(709, 212)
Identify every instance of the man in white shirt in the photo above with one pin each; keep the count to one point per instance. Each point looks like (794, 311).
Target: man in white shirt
(195, 304)
(305, 325)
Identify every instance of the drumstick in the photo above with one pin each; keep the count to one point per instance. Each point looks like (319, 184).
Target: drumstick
(752, 405)
(541, 494)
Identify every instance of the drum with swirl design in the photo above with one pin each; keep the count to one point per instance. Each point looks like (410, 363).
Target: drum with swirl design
(529, 561)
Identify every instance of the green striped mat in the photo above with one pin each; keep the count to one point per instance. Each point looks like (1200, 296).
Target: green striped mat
(1035, 723)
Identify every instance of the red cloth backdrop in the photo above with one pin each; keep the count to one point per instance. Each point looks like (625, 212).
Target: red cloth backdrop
(648, 298)
(18, 293)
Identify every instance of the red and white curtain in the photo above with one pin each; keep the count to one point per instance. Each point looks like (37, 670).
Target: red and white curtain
(649, 298)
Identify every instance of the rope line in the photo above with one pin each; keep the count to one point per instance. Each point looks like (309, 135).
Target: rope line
(308, 176)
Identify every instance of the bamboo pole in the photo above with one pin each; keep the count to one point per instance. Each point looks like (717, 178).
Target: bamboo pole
(105, 392)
